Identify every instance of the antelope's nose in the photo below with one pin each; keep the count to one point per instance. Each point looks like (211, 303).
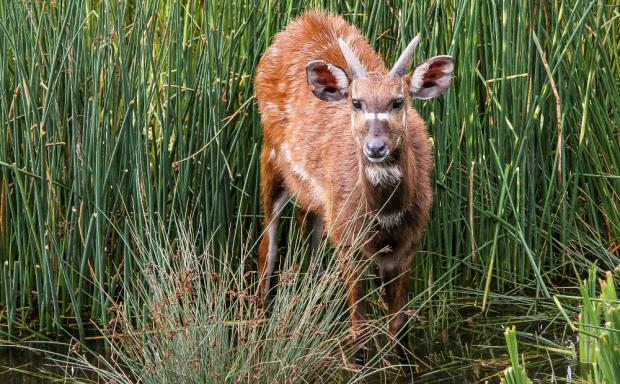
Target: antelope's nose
(375, 149)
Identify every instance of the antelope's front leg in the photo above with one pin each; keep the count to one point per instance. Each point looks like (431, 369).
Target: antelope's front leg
(357, 308)
(396, 276)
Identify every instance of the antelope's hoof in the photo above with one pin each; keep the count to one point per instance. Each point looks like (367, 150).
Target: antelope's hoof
(361, 357)
(403, 357)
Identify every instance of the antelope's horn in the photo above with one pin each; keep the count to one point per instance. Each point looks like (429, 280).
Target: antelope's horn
(357, 70)
(404, 61)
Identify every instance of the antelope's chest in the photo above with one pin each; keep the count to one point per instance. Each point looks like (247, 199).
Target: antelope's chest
(392, 233)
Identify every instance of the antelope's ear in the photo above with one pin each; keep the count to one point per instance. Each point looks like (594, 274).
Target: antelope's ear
(432, 77)
(329, 81)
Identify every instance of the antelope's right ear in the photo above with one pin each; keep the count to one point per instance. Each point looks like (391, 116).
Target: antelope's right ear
(329, 81)
(432, 77)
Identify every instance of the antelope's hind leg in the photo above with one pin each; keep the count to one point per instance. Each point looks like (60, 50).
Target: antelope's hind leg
(303, 217)
(274, 198)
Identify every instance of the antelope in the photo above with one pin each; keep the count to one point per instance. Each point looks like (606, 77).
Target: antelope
(340, 137)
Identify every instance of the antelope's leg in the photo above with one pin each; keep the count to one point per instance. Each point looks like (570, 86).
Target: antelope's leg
(274, 198)
(302, 217)
(357, 309)
(317, 233)
(396, 276)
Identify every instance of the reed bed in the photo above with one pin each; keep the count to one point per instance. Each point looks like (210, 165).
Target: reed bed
(121, 119)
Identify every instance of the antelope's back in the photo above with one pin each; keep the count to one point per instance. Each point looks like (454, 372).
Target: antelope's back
(281, 85)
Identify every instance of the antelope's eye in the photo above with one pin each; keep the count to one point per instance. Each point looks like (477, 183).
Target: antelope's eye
(356, 104)
(397, 104)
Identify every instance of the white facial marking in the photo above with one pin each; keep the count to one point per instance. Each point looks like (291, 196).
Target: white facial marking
(378, 116)
(378, 174)
(272, 154)
(377, 159)
(382, 116)
(390, 219)
(317, 191)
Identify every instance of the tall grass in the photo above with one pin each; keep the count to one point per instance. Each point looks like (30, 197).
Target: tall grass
(119, 115)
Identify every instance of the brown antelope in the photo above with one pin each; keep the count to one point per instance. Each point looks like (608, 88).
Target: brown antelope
(342, 140)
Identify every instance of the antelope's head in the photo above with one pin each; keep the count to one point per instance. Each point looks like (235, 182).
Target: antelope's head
(379, 101)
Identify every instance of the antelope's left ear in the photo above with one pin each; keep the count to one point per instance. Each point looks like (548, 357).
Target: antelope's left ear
(432, 77)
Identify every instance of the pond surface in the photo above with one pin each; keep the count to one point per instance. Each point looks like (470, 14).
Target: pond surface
(26, 364)
(42, 362)
(463, 361)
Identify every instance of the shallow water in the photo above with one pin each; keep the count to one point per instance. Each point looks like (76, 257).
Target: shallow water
(33, 363)
(24, 365)
(463, 359)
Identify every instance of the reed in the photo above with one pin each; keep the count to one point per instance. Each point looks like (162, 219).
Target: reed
(515, 374)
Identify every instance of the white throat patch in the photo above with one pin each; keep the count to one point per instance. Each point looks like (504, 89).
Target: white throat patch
(378, 174)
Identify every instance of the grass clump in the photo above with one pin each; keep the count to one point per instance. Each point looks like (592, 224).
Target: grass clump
(194, 317)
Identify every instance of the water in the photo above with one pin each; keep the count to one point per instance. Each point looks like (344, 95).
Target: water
(469, 356)
(25, 365)
(33, 363)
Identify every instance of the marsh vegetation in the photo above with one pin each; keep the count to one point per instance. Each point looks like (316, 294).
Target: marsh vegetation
(129, 197)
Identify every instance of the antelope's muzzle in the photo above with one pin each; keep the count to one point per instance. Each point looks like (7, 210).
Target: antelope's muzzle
(376, 150)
